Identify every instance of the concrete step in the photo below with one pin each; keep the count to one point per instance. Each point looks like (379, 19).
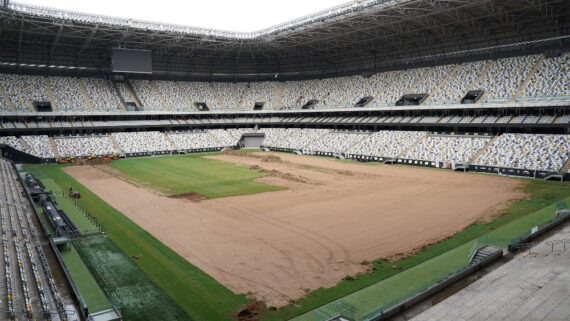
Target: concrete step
(172, 145)
(53, 147)
(114, 142)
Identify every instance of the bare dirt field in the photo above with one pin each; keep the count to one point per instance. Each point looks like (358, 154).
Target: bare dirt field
(279, 245)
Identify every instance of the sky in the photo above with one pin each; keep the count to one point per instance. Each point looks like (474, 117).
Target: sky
(236, 15)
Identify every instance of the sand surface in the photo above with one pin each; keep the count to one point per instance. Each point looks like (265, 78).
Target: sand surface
(279, 245)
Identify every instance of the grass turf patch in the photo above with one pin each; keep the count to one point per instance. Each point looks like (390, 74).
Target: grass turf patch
(198, 294)
(117, 273)
(90, 291)
(514, 221)
(177, 174)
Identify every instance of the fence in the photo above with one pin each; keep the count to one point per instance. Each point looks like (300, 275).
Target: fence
(335, 310)
(99, 227)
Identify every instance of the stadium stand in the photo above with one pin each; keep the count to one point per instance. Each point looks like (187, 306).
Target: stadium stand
(137, 142)
(199, 92)
(265, 92)
(500, 80)
(68, 94)
(13, 142)
(189, 140)
(150, 96)
(229, 95)
(39, 146)
(291, 138)
(386, 143)
(456, 86)
(335, 141)
(84, 146)
(528, 151)
(505, 76)
(446, 148)
(174, 97)
(102, 95)
(551, 80)
(23, 90)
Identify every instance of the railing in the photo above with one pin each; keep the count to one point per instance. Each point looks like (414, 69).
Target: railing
(476, 246)
(379, 311)
(563, 242)
(443, 102)
(517, 242)
(542, 98)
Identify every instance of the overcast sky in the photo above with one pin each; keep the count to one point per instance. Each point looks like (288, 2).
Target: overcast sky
(236, 15)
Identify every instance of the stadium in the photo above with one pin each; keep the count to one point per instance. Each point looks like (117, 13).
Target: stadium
(376, 160)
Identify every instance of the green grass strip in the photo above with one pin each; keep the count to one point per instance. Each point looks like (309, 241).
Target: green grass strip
(141, 299)
(90, 291)
(201, 296)
(191, 173)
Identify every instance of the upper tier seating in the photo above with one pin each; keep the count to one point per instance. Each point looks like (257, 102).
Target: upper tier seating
(23, 90)
(175, 98)
(150, 96)
(68, 94)
(456, 86)
(505, 76)
(261, 92)
(102, 95)
(502, 80)
(551, 80)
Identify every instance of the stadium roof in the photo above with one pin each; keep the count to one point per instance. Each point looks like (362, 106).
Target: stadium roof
(358, 36)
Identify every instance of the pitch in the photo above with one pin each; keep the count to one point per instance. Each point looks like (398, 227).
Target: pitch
(279, 245)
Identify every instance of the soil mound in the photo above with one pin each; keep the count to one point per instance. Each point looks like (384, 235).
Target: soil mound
(250, 312)
(194, 197)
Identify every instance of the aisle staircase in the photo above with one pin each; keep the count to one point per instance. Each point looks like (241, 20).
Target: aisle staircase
(479, 152)
(158, 93)
(86, 97)
(114, 142)
(51, 96)
(482, 253)
(242, 99)
(441, 83)
(115, 86)
(405, 151)
(215, 139)
(53, 147)
(23, 143)
(279, 97)
(357, 142)
(6, 99)
(132, 92)
(528, 77)
(565, 168)
(218, 104)
(169, 140)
